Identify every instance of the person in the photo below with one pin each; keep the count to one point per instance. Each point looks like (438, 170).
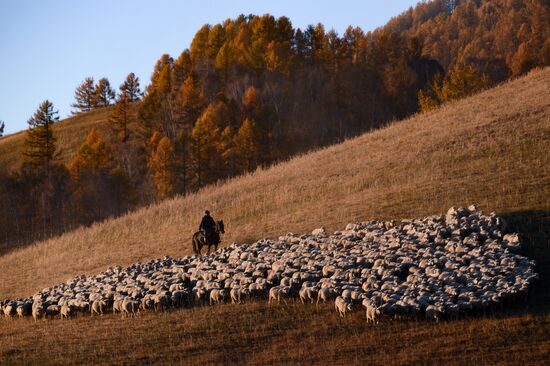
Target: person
(208, 225)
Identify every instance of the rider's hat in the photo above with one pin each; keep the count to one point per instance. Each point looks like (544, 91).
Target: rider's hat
(207, 212)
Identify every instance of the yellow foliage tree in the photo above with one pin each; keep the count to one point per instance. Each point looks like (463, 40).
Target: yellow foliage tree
(204, 146)
(160, 167)
(460, 82)
(247, 144)
(94, 154)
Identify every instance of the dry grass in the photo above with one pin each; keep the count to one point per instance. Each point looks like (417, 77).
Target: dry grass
(293, 334)
(492, 149)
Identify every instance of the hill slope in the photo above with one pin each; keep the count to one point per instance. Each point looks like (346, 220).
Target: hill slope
(70, 134)
(491, 149)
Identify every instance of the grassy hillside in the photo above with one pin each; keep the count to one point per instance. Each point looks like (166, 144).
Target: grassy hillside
(70, 134)
(492, 149)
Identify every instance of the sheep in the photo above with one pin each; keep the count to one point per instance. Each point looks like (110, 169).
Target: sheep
(435, 312)
(200, 295)
(325, 294)
(238, 294)
(440, 265)
(129, 307)
(52, 310)
(217, 296)
(117, 305)
(342, 306)
(279, 293)
(371, 311)
(161, 301)
(98, 307)
(9, 311)
(65, 311)
(146, 303)
(308, 294)
(37, 311)
(179, 298)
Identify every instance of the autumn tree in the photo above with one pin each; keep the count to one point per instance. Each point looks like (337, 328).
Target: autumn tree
(204, 147)
(40, 142)
(247, 145)
(85, 96)
(182, 163)
(94, 154)
(101, 188)
(103, 93)
(121, 117)
(160, 166)
(189, 103)
(130, 88)
(460, 82)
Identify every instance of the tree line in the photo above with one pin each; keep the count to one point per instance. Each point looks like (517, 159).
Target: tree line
(254, 90)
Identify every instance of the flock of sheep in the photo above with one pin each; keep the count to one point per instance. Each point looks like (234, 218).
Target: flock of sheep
(436, 267)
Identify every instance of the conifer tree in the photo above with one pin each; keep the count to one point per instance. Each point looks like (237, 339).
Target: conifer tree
(94, 154)
(182, 163)
(160, 167)
(189, 103)
(2, 126)
(204, 146)
(85, 96)
(247, 144)
(130, 87)
(101, 188)
(40, 141)
(462, 81)
(103, 93)
(121, 117)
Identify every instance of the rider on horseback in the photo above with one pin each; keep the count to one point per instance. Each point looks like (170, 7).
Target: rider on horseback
(208, 225)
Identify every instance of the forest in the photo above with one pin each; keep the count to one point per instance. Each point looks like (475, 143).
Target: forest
(252, 91)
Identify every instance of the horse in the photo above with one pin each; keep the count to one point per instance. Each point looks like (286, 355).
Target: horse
(200, 240)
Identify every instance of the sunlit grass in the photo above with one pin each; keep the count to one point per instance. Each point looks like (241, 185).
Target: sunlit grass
(492, 149)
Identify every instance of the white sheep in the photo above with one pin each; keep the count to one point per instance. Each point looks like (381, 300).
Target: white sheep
(129, 307)
(217, 296)
(65, 311)
(325, 294)
(342, 306)
(279, 293)
(371, 311)
(98, 307)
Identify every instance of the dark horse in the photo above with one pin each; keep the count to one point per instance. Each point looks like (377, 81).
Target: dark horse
(200, 239)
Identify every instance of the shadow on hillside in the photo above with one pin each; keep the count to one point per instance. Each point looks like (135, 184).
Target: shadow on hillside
(534, 229)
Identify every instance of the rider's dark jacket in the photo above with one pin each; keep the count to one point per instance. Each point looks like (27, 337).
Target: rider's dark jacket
(207, 224)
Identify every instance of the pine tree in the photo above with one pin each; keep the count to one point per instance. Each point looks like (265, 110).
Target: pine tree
(40, 142)
(2, 126)
(121, 117)
(84, 95)
(160, 167)
(103, 93)
(130, 87)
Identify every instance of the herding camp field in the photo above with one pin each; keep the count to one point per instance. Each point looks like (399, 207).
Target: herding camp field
(492, 149)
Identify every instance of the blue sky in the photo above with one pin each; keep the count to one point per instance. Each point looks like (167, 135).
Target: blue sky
(48, 47)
